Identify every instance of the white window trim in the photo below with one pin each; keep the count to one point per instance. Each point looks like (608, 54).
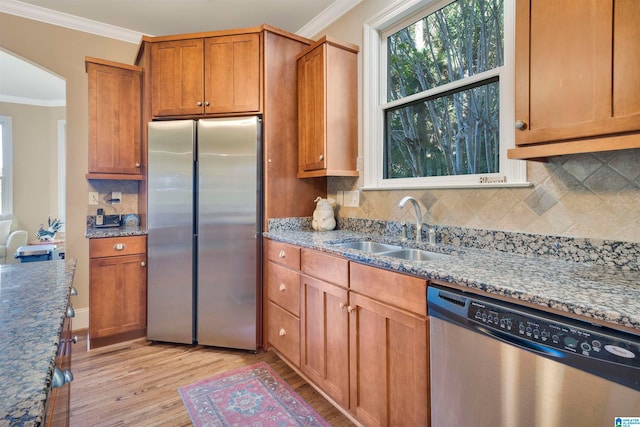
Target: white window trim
(515, 171)
(7, 162)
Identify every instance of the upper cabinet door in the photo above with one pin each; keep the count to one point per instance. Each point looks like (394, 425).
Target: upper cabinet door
(177, 78)
(311, 115)
(232, 74)
(114, 119)
(576, 75)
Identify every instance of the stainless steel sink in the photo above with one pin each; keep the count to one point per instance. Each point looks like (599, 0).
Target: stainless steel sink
(415, 255)
(367, 246)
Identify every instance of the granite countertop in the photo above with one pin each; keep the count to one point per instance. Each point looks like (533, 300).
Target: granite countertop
(601, 292)
(124, 231)
(33, 302)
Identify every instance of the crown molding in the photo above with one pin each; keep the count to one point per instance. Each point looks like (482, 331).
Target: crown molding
(37, 13)
(327, 17)
(31, 101)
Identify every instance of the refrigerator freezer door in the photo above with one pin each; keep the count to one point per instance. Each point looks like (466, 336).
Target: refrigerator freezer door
(228, 240)
(170, 231)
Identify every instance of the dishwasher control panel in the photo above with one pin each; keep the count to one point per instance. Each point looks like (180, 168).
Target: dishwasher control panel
(563, 335)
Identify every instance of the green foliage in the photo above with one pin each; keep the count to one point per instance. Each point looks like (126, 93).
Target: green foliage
(454, 132)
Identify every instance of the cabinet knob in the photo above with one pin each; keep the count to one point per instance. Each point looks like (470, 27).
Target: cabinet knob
(342, 305)
(137, 165)
(282, 287)
(74, 339)
(143, 264)
(350, 309)
(320, 157)
(74, 292)
(58, 378)
(282, 254)
(520, 125)
(206, 103)
(199, 104)
(119, 246)
(71, 312)
(68, 376)
(282, 332)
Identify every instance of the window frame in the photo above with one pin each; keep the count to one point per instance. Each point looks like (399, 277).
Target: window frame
(395, 17)
(6, 175)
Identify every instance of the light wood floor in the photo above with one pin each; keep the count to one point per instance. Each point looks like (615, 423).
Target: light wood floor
(136, 383)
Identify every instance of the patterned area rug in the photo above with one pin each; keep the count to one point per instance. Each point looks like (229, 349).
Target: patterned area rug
(250, 396)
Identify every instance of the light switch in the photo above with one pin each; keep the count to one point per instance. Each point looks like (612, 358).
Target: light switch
(93, 198)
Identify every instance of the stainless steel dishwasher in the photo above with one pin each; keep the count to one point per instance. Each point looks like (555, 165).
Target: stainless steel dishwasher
(496, 364)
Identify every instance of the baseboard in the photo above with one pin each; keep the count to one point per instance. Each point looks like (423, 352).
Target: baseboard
(81, 319)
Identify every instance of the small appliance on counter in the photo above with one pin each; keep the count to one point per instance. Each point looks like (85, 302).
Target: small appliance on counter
(35, 253)
(107, 221)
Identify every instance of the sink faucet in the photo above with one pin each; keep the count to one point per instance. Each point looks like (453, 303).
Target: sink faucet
(416, 206)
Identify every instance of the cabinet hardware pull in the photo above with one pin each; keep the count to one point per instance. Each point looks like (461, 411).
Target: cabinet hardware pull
(320, 157)
(206, 103)
(58, 378)
(342, 305)
(282, 332)
(282, 254)
(199, 104)
(282, 287)
(137, 165)
(143, 264)
(74, 291)
(119, 246)
(68, 376)
(350, 309)
(520, 125)
(71, 312)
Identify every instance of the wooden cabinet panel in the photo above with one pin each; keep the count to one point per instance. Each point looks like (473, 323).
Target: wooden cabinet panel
(232, 73)
(177, 77)
(115, 100)
(399, 290)
(576, 90)
(388, 364)
(284, 253)
(283, 287)
(117, 289)
(327, 109)
(58, 405)
(324, 337)
(118, 293)
(283, 332)
(330, 268)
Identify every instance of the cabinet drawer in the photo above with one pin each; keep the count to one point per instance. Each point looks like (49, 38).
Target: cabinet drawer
(399, 290)
(326, 267)
(116, 246)
(283, 287)
(284, 253)
(284, 333)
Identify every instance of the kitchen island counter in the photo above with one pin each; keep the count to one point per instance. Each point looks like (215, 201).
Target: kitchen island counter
(608, 294)
(33, 303)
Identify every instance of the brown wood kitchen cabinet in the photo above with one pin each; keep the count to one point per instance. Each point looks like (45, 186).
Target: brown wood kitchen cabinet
(327, 109)
(577, 85)
(115, 97)
(205, 75)
(324, 335)
(117, 289)
(282, 307)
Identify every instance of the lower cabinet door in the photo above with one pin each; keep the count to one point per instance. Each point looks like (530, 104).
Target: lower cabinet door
(388, 364)
(324, 337)
(117, 297)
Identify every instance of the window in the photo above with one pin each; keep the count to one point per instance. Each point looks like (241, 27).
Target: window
(6, 160)
(438, 95)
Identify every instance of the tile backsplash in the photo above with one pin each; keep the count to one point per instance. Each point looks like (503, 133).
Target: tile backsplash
(104, 187)
(595, 195)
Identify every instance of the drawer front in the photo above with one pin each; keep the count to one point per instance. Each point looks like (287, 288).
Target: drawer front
(117, 246)
(284, 333)
(325, 267)
(283, 287)
(284, 253)
(400, 290)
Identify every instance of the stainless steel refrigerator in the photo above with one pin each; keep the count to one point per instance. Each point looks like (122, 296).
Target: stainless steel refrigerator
(204, 231)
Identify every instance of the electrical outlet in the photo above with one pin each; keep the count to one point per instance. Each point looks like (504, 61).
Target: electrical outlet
(93, 198)
(116, 197)
(352, 199)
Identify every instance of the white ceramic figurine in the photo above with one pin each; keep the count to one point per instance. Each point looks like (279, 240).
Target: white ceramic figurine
(323, 218)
